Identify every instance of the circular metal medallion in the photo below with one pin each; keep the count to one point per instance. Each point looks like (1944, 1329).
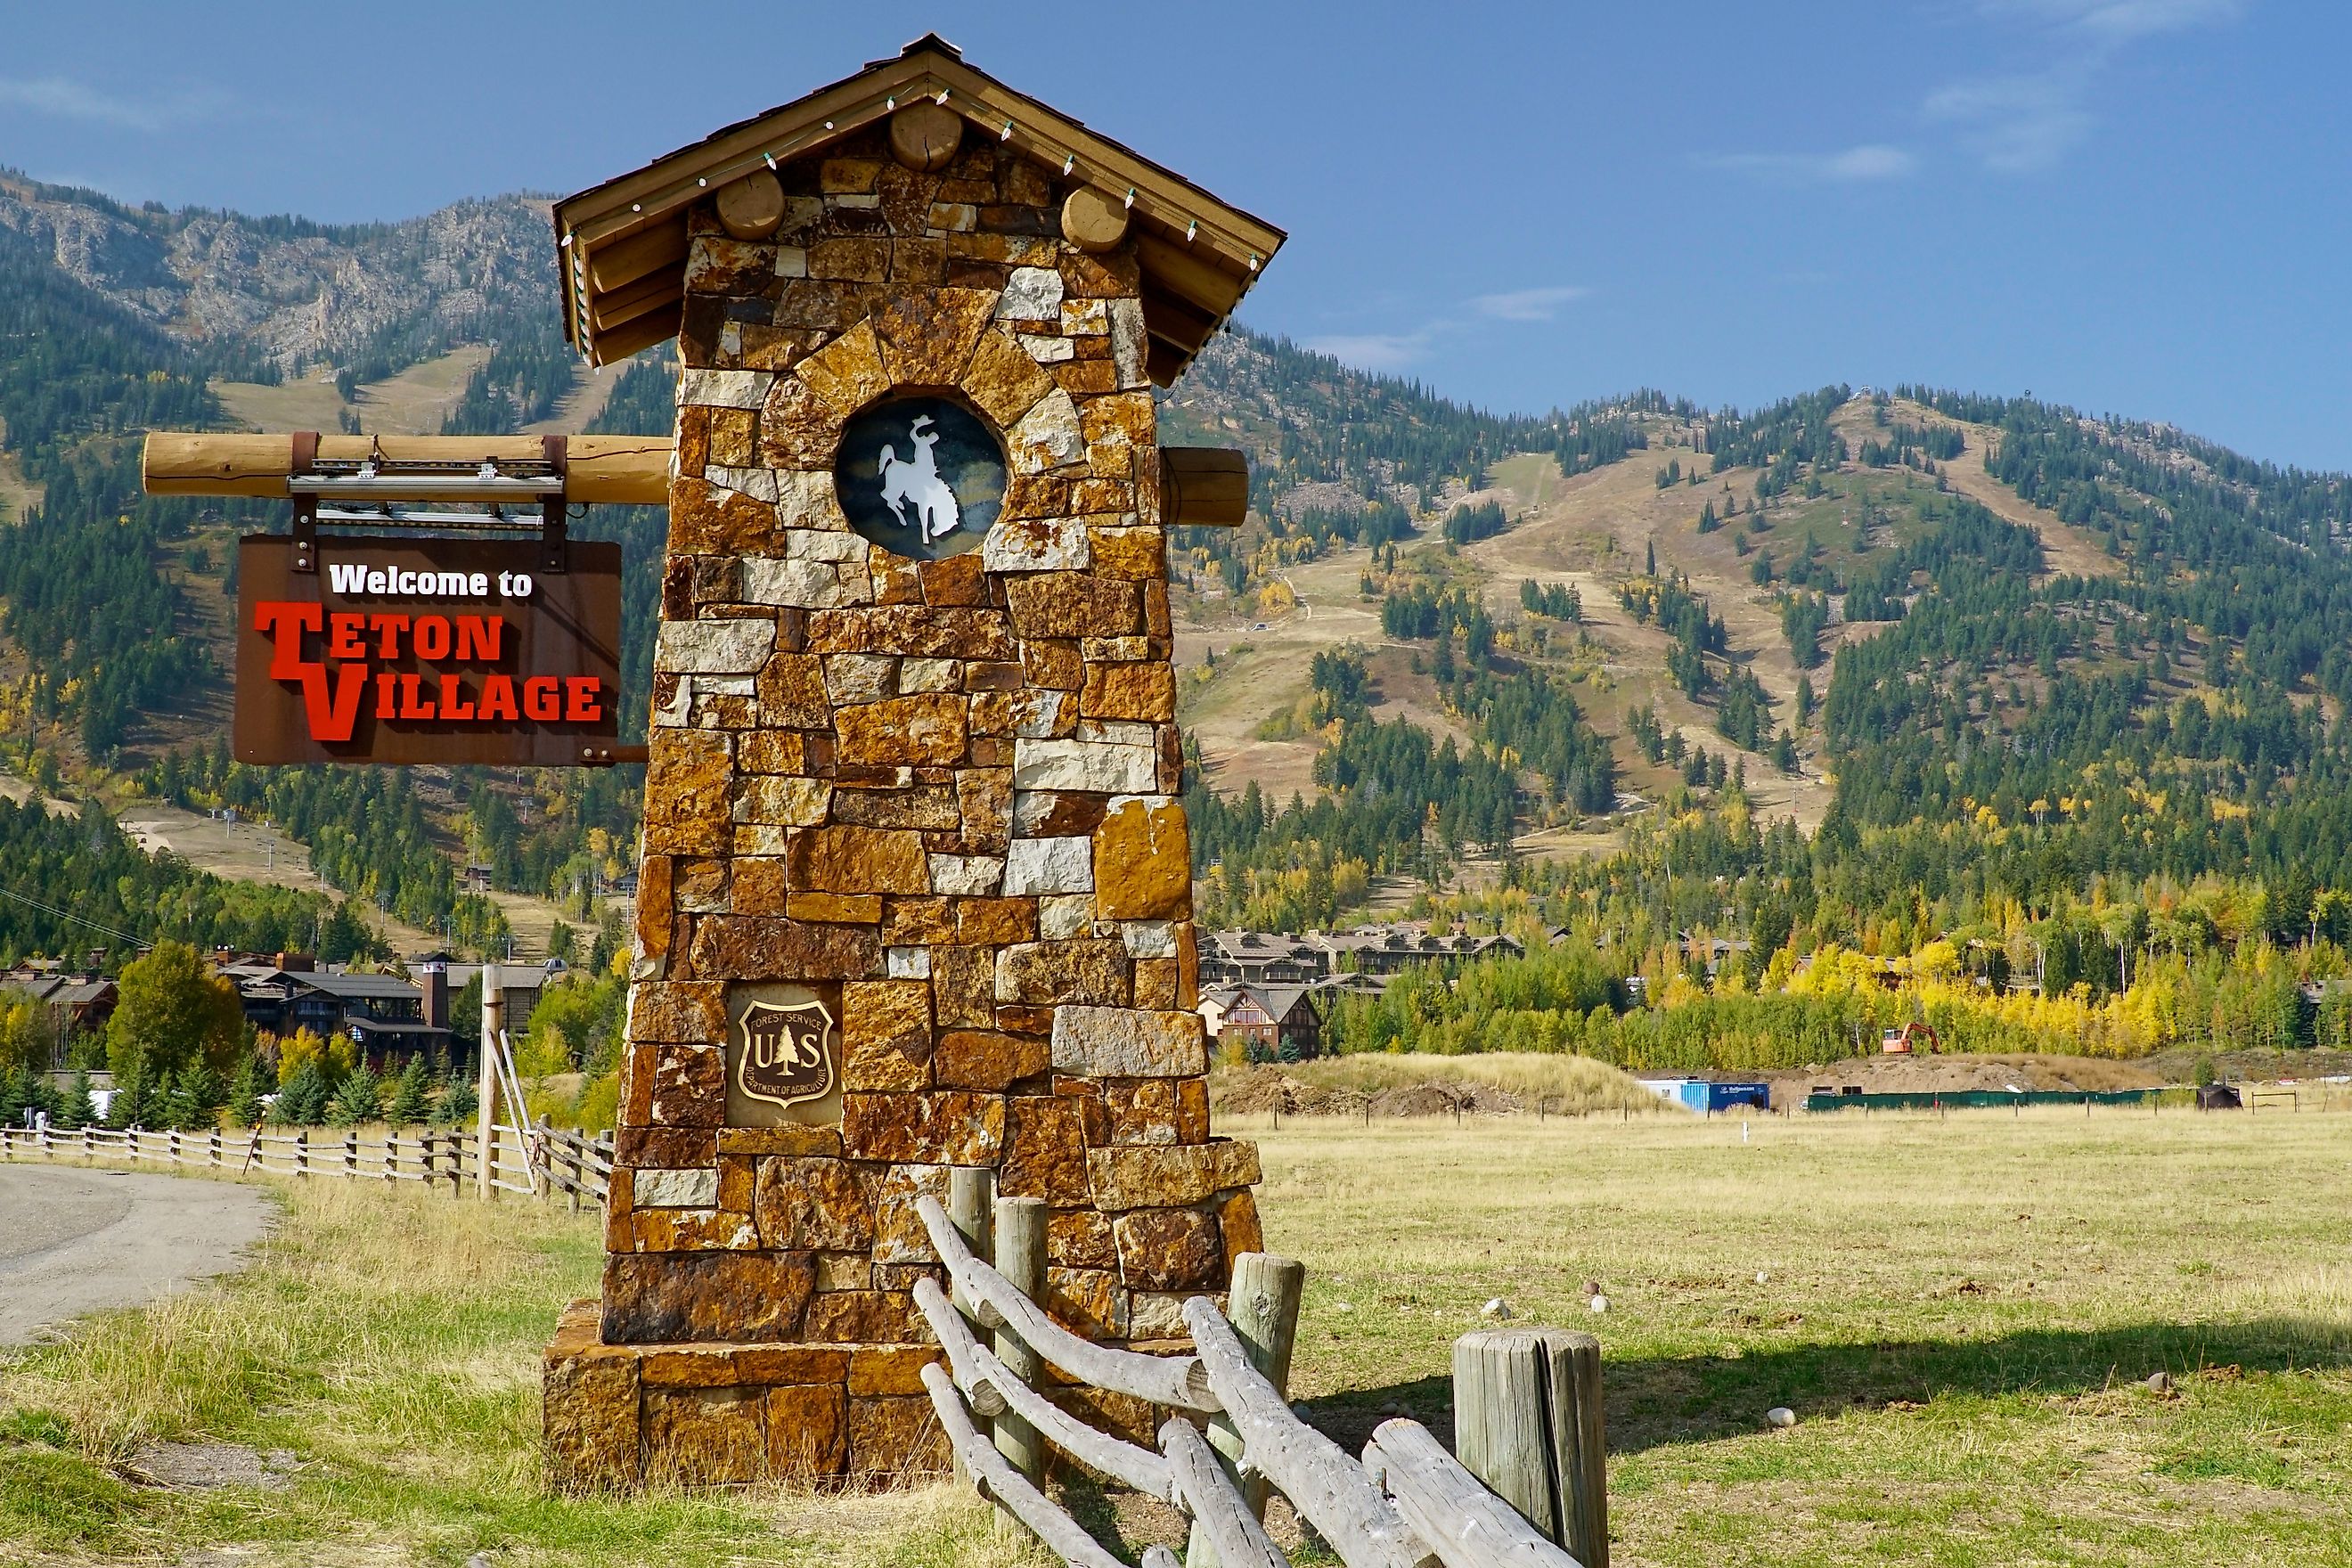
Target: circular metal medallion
(921, 477)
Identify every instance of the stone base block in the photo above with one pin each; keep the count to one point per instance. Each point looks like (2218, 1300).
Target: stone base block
(617, 1416)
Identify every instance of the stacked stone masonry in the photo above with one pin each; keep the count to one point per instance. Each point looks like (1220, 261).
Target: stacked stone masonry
(945, 793)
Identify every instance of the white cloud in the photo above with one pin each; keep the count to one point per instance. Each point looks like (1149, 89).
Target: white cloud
(1529, 304)
(1853, 166)
(2119, 21)
(2029, 120)
(1389, 352)
(1383, 352)
(59, 98)
(2015, 124)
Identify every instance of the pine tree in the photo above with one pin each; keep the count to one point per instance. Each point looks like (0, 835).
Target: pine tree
(358, 1099)
(302, 1098)
(192, 1102)
(135, 1103)
(412, 1102)
(79, 1110)
(458, 1102)
(244, 1095)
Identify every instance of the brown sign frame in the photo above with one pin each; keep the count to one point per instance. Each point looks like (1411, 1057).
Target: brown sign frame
(484, 676)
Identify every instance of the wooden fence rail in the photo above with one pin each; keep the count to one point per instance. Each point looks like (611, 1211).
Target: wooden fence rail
(1404, 1503)
(1526, 1490)
(540, 1160)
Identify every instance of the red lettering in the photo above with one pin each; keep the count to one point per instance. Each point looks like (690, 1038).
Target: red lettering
(541, 700)
(432, 638)
(411, 698)
(284, 621)
(580, 698)
(344, 640)
(452, 695)
(499, 696)
(333, 721)
(388, 629)
(478, 638)
(330, 716)
(384, 688)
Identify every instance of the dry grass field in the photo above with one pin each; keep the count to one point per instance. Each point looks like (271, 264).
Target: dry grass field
(1961, 1312)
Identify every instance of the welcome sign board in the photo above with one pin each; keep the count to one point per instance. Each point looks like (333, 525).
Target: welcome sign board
(427, 650)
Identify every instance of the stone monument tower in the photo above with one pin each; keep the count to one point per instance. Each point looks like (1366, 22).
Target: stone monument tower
(916, 890)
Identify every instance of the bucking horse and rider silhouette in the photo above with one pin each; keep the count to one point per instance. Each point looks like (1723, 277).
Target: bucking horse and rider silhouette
(912, 489)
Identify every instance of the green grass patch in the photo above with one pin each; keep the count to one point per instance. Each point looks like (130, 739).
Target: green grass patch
(389, 1342)
(1963, 1313)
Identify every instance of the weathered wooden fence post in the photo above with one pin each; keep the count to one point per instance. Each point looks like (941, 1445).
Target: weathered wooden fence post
(1526, 1421)
(1264, 1311)
(1021, 1257)
(302, 1152)
(972, 1204)
(485, 1089)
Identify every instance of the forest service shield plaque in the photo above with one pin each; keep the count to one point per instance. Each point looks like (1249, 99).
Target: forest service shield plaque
(783, 1055)
(784, 1059)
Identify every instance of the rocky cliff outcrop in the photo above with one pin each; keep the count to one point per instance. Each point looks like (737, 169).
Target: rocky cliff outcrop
(296, 293)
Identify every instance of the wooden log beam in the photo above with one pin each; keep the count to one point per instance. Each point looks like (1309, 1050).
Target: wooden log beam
(639, 333)
(994, 1477)
(1165, 362)
(924, 136)
(1469, 1526)
(1209, 287)
(1178, 1382)
(1203, 487)
(1093, 220)
(623, 261)
(647, 294)
(616, 470)
(752, 206)
(995, 1392)
(1204, 1491)
(1177, 320)
(1329, 1490)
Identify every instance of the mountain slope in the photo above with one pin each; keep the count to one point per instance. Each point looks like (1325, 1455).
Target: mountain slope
(1988, 648)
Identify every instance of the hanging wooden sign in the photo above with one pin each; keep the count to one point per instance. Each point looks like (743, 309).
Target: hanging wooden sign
(428, 651)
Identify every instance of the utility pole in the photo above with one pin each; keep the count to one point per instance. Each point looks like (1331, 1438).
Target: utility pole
(486, 1111)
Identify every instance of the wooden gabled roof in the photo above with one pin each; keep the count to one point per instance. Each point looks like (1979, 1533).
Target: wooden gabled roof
(623, 242)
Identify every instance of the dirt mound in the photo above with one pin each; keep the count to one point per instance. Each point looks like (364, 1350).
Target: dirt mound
(1956, 1074)
(1445, 1097)
(1260, 1090)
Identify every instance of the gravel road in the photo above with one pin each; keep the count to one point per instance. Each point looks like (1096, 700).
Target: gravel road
(75, 1241)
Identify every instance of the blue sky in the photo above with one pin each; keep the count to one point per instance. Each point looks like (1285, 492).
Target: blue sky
(2135, 206)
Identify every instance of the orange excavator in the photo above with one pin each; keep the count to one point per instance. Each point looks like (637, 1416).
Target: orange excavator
(1909, 1040)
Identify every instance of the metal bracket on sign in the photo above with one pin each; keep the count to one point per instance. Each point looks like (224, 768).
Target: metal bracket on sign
(306, 507)
(551, 524)
(306, 534)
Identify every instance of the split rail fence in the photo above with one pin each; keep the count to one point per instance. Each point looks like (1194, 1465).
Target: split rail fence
(1526, 1486)
(1527, 1490)
(538, 1159)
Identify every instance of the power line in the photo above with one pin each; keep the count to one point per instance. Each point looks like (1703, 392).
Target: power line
(76, 920)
